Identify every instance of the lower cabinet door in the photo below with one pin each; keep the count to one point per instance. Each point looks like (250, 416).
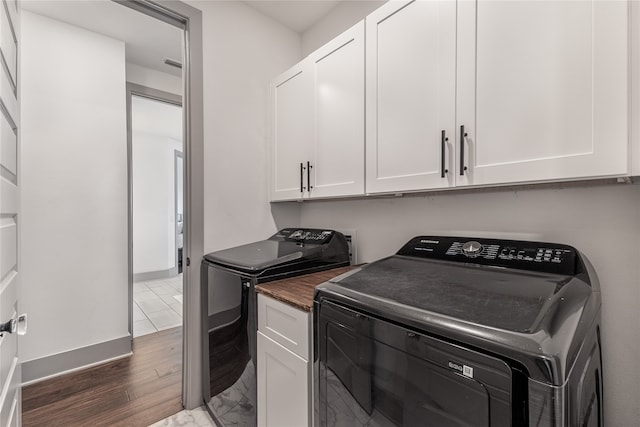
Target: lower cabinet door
(284, 396)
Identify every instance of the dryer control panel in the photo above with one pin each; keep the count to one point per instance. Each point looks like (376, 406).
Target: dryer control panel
(534, 256)
(305, 235)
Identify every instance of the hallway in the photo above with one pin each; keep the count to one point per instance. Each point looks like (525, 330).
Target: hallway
(157, 305)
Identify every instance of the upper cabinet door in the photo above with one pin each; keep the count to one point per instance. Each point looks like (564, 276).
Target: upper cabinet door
(411, 73)
(292, 133)
(542, 90)
(337, 168)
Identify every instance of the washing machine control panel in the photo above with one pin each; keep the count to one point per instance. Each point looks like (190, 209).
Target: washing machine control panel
(535, 256)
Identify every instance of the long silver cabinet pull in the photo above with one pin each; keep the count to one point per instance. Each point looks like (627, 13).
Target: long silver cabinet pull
(301, 178)
(309, 166)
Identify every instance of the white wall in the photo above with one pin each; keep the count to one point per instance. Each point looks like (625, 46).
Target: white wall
(342, 17)
(180, 186)
(154, 237)
(74, 187)
(243, 50)
(154, 79)
(156, 133)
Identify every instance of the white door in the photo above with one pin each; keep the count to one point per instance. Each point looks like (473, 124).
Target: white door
(410, 96)
(337, 168)
(283, 386)
(10, 376)
(292, 133)
(542, 90)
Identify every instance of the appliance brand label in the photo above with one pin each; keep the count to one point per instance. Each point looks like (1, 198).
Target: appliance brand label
(465, 370)
(433, 242)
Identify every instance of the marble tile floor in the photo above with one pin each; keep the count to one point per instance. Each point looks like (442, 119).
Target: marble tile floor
(157, 305)
(195, 418)
(236, 406)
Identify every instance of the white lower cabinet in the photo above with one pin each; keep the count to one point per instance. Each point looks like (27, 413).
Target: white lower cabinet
(283, 379)
(284, 367)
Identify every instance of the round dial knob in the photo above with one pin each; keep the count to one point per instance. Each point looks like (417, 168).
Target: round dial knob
(472, 248)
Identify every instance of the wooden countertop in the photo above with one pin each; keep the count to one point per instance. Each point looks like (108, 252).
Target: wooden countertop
(298, 291)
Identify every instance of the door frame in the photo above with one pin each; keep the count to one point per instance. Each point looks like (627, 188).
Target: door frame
(189, 19)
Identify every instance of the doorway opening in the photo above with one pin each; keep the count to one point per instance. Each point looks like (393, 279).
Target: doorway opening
(155, 150)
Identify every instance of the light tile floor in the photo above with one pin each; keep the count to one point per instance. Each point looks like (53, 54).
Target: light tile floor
(157, 305)
(195, 418)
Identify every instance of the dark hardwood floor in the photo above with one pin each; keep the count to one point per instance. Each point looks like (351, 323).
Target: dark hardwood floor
(135, 391)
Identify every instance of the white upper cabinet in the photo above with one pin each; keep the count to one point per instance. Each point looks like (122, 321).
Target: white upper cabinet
(291, 148)
(457, 93)
(338, 68)
(542, 90)
(411, 96)
(318, 126)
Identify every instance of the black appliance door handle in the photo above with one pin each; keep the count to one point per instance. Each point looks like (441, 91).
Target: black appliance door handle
(443, 157)
(301, 179)
(309, 166)
(463, 135)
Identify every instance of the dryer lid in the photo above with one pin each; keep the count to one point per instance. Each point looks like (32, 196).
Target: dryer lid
(289, 246)
(261, 255)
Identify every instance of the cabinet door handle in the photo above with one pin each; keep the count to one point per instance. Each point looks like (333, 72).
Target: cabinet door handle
(463, 135)
(443, 157)
(301, 179)
(309, 166)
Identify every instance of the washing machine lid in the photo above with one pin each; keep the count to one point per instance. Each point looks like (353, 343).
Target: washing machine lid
(506, 299)
(493, 294)
(288, 247)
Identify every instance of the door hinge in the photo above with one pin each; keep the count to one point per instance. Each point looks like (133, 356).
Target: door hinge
(188, 261)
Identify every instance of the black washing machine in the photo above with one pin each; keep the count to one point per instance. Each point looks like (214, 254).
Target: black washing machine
(454, 331)
(229, 308)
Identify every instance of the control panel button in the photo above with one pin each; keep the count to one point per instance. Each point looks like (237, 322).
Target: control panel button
(472, 249)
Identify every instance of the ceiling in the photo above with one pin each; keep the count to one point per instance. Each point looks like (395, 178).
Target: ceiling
(296, 15)
(148, 40)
